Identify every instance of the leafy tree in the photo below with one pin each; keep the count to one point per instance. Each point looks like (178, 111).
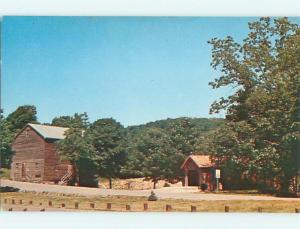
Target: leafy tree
(264, 72)
(107, 138)
(10, 126)
(6, 138)
(152, 156)
(77, 149)
(21, 116)
(75, 121)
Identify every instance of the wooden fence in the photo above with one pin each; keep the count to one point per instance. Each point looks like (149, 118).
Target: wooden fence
(109, 206)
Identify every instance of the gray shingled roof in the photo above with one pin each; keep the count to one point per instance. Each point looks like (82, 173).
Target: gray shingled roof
(49, 132)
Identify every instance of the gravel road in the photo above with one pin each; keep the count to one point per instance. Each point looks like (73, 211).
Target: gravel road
(187, 193)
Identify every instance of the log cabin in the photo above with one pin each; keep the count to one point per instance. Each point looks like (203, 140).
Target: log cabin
(36, 157)
(198, 170)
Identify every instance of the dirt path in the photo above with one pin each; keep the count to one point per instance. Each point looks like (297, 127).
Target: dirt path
(187, 193)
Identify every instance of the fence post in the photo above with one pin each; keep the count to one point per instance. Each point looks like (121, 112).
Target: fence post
(297, 210)
(108, 206)
(50, 203)
(5, 201)
(127, 207)
(76, 205)
(25, 209)
(193, 208)
(92, 205)
(259, 209)
(145, 207)
(168, 208)
(63, 205)
(13, 201)
(30, 202)
(226, 208)
(42, 210)
(20, 201)
(10, 209)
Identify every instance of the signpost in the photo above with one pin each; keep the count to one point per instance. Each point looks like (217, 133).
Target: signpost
(218, 176)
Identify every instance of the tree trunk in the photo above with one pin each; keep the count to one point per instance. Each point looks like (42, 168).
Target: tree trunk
(110, 183)
(76, 175)
(154, 184)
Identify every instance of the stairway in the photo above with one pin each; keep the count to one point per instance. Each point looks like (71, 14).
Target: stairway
(66, 178)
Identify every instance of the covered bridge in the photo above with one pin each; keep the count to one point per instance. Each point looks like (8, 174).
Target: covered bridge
(36, 158)
(199, 169)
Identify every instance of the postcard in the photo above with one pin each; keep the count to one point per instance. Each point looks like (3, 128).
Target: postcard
(150, 114)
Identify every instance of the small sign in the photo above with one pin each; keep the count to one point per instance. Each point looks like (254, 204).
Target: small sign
(218, 173)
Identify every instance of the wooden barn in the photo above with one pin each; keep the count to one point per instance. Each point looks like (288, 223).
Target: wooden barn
(36, 158)
(199, 169)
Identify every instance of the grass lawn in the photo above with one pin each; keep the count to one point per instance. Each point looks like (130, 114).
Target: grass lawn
(119, 203)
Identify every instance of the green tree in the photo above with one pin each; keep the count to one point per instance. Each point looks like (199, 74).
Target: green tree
(107, 138)
(6, 138)
(75, 121)
(264, 73)
(21, 116)
(77, 149)
(151, 156)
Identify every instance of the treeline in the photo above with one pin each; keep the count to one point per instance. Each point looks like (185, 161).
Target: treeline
(105, 148)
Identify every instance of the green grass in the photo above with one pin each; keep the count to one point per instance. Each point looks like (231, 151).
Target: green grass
(119, 203)
(5, 173)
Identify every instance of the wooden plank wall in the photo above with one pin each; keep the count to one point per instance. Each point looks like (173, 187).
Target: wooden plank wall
(29, 156)
(55, 169)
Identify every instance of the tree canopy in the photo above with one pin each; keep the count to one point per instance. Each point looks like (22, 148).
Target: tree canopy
(10, 126)
(75, 121)
(264, 71)
(21, 117)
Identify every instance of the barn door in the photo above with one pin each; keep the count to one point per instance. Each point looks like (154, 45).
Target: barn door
(23, 171)
(193, 178)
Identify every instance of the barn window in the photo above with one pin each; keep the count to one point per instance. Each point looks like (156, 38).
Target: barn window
(37, 175)
(27, 133)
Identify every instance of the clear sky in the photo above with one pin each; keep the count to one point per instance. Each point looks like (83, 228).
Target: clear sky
(134, 69)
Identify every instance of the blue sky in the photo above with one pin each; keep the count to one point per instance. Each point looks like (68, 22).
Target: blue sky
(134, 69)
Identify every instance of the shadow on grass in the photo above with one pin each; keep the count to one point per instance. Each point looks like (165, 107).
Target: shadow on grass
(9, 189)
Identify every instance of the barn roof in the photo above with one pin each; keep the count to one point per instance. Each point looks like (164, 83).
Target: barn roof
(202, 161)
(49, 132)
